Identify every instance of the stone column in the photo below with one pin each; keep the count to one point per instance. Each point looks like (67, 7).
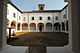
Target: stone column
(28, 27)
(3, 22)
(16, 26)
(61, 26)
(37, 49)
(21, 27)
(74, 25)
(36, 27)
(75, 7)
(65, 26)
(52, 27)
(70, 27)
(44, 27)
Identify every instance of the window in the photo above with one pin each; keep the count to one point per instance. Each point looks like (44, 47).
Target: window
(24, 19)
(56, 18)
(48, 18)
(32, 18)
(19, 17)
(8, 11)
(41, 8)
(64, 16)
(40, 18)
(14, 15)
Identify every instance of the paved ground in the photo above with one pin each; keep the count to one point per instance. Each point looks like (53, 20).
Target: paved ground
(41, 39)
(14, 49)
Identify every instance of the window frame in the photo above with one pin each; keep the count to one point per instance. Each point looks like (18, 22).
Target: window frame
(32, 18)
(49, 18)
(56, 18)
(40, 18)
(14, 15)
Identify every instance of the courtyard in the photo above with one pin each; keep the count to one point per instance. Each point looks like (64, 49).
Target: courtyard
(40, 38)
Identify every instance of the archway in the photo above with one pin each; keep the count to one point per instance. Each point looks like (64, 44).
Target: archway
(24, 26)
(32, 26)
(13, 24)
(57, 26)
(48, 26)
(40, 27)
(63, 26)
(18, 26)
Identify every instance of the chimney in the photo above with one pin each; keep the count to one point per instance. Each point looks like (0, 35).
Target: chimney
(41, 7)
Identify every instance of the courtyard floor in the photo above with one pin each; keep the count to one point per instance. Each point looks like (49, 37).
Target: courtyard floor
(40, 39)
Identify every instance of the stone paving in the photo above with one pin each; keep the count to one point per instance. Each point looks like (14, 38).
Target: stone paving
(19, 49)
(41, 38)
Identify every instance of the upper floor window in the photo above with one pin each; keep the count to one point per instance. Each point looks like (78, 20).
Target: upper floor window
(24, 19)
(56, 18)
(32, 18)
(14, 15)
(8, 11)
(19, 17)
(40, 18)
(49, 18)
(64, 16)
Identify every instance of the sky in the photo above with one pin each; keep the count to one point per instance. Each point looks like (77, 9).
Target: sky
(29, 5)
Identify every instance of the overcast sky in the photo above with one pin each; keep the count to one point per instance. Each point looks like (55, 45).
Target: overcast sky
(29, 5)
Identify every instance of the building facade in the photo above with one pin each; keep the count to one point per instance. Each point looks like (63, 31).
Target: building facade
(37, 20)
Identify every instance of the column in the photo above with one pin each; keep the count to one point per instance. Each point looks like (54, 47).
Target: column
(65, 26)
(16, 26)
(52, 27)
(74, 25)
(36, 28)
(28, 28)
(75, 7)
(3, 22)
(44, 27)
(37, 49)
(20, 26)
(69, 46)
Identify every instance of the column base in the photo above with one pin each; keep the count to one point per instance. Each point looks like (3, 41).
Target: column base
(5, 47)
(37, 49)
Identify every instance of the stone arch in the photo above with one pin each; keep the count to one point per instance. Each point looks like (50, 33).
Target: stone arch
(40, 26)
(13, 24)
(49, 26)
(32, 26)
(18, 26)
(63, 26)
(57, 26)
(24, 26)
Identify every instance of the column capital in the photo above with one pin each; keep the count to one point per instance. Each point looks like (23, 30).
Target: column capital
(4, 2)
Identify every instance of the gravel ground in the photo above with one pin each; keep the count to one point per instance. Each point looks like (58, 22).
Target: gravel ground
(41, 39)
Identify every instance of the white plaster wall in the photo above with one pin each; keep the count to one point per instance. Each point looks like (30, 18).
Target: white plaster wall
(43, 15)
(10, 17)
(19, 15)
(28, 16)
(11, 11)
(64, 11)
(59, 17)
